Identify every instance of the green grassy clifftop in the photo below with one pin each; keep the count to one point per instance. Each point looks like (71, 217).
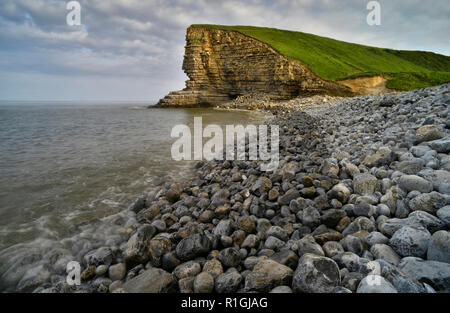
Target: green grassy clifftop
(336, 60)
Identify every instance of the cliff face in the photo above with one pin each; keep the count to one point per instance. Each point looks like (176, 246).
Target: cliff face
(222, 65)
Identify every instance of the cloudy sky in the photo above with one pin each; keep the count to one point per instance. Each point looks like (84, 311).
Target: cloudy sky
(133, 49)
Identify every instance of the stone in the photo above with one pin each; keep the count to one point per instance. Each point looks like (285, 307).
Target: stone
(273, 194)
(230, 257)
(247, 224)
(193, 246)
(308, 245)
(186, 285)
(251, 241)
(224, 228)
(316, 274)
(285, 257)
(434, 273)
(385, 252)
(365, 184)
(266, 275)
(383, 156)
(213, 267)
(204, 283)
(429, 133)
(375, 284)
(376, 238)
(360, 223)
(332, 248)
(33, 278)
(439, 247)
(117, 271)
(88, 273)
(273, 243)
(311, 217)
(363, 209)
(158, 247)
(411, 241)
(353, 244)
(417, 218)
(340, 192)
(444, 214)
(330, 167)
(136, 251)
(401, 281)
(332, 217)
(262, 185)
(281, 289)
(228, 282)
(278, 232)
(99, 256)
(291, 194)
(169, 261)
(188, 269)
(173, 194)
(154, 280)
(414, 182)
(441, 145)
(101, 270)
(428, 202)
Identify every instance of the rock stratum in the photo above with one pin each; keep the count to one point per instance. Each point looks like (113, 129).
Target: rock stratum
(222, 65)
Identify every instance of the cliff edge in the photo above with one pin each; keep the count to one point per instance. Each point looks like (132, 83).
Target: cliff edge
(222, 65)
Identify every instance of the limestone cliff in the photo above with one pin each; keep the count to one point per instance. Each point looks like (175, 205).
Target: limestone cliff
(222, 65)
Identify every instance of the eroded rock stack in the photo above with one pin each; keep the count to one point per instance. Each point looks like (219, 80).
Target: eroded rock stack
(222, 65)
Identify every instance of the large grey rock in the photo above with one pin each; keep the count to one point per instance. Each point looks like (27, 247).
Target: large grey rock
(268, 274)
(444, 215)
(193, 246)
(440, 145)
(439, 247)
(274, 243)
(353, 244)
(203, 283)
(429, 133)
(411, 241)
(365, 184)
(403, 282)
(316, 274)
(99, 256)
(136, 251)
(375, 284)
(417, 219)
(154, 280)
(436, 177)
(117, 271)
(434, 273)
(230, 257)
(332, 217)
(376, 238)
(278, 232)
(428, 202)
(308, 245)
(386, 253)
(414, 182)
(224, 228)
(228, 282)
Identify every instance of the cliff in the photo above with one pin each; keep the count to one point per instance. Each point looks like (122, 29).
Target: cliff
(222, 65)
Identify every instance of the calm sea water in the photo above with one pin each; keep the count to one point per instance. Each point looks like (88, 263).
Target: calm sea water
(64, 168)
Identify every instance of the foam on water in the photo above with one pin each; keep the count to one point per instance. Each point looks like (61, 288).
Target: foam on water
(68, 173)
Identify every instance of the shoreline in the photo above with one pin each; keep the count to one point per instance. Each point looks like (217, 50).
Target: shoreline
(347, 192)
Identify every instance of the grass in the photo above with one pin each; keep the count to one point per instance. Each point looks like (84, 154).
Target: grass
(336, 60)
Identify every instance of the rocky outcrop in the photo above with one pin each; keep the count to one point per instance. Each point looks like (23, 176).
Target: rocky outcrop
(222, 65)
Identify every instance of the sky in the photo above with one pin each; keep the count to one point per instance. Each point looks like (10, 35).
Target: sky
(132, 50)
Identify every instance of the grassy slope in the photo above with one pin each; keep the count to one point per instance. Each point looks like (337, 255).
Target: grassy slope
(335, 60)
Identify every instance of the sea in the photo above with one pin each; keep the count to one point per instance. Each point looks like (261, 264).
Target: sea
(68, 170)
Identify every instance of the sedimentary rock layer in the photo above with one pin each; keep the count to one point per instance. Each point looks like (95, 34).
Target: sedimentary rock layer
(222, 65)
